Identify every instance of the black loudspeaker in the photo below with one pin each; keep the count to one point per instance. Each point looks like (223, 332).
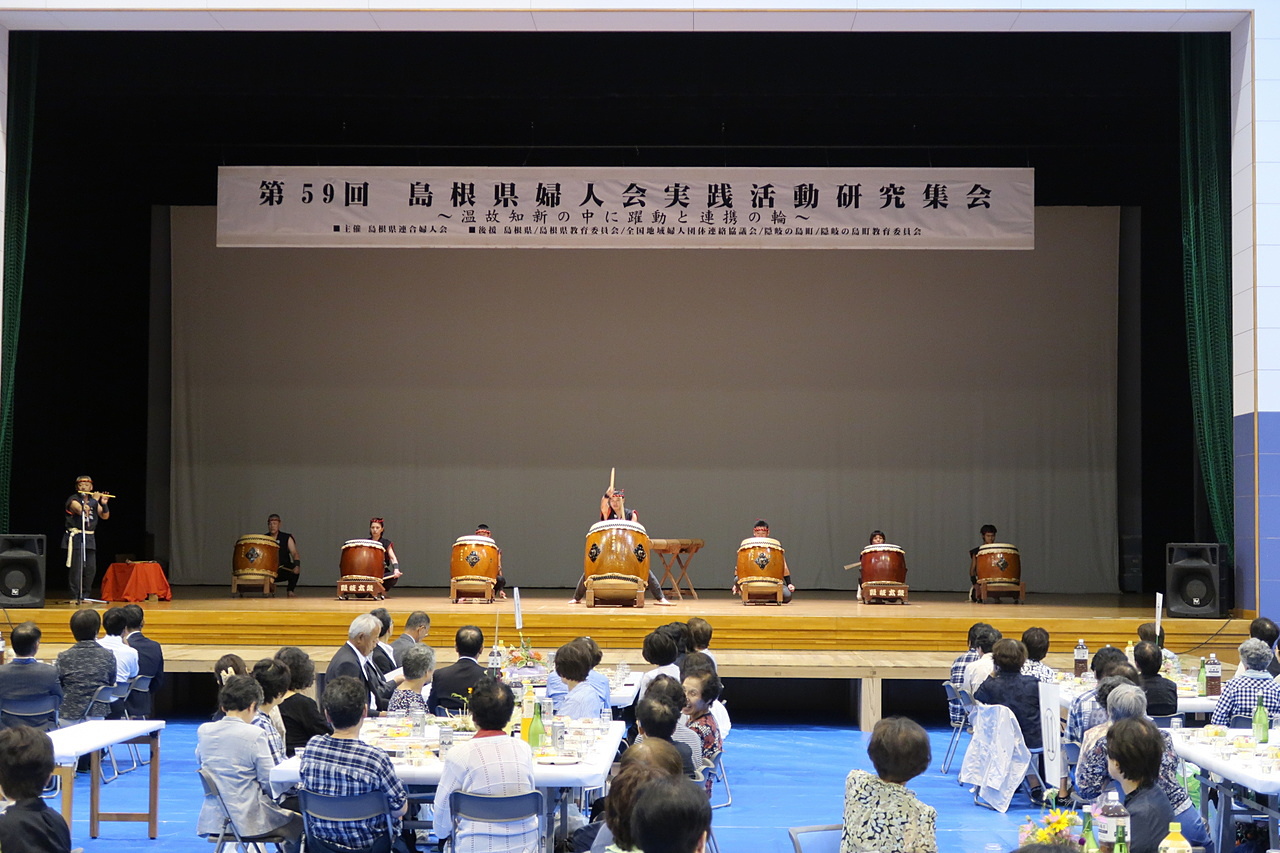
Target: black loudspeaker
(1198, 586)
(22, 570)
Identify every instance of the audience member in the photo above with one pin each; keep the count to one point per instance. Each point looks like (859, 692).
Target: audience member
(29, 825)
(1147, 633)
(1092, 779)
(1036, 641)
(451, 684)
(82, 669)
(236, 754)
(700, 630)
(657, 719)
(573, 665)
(958, 667)
(980, 670)
(383, 654)
(1009, 687)
(227, 666)
(150, 661)
(669, 691)
(681, 635)
(1162, 694)
(624, 788)
(658, 754)
(354, 660)
(1262, 629)
(416, 628)
(301, 716)
(670, 816)
(273, 678)
(418, 663)
(1085, 712)
(700, 663)
(1105, 688)
(880, 813)
(1240, 694)
(1134, 747)
(700, 691)
(660, 650)
(113, 623)
(25, 678)
(492, 764)
(556, 689)
(342, 765)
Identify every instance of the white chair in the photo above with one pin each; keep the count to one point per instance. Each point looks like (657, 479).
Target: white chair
(816, 839)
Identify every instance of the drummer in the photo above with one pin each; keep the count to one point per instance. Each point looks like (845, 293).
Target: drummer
(390, 565)
(290, 562)
(876, 538)
(761, 531)
(499, 585)
(611, 507)
(988, 532)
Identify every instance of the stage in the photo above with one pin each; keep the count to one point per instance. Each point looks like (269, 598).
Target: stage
(824, 622)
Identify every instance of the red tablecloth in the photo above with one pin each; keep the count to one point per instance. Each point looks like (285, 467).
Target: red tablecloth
(134, 582)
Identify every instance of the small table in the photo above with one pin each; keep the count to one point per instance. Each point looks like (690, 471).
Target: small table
(91, 738)
(1236, 779)
(135, 581)
(676, 552)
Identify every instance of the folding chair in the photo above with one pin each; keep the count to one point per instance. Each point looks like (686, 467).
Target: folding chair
(956, 728)
(138, 685)
(1241, 721)
(816, 839)
(221, 838)
(40, 712)
(1166, 722)
(357, 807)
(111, 693)
(966, 700)
(483, 808)
(714, 768)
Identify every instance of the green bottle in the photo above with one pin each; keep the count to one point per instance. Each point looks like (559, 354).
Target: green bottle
(1261, 722)
(1090, 843)
(1201, 685)
(536, 732)
(1122, 842)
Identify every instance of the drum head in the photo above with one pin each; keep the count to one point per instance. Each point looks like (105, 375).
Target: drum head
(617, 524)
(996, 547)
(363, 543)
(760, 542)
(258, 539)
(474, 540)
(874, 549)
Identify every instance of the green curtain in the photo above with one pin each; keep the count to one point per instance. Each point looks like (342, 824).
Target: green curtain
(1206, 262)
(22, 86)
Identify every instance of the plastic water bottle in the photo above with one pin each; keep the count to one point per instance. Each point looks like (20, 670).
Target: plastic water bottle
(1111, 826)
(1213, 676)
(1175, 841)
(1082, 657)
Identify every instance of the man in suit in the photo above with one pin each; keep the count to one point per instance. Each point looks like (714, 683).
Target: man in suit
(416, 628)
(26, 678)
(355, 659)
(150, 660)
(452, 684)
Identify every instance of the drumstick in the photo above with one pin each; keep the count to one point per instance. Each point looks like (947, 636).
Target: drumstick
(611, 473)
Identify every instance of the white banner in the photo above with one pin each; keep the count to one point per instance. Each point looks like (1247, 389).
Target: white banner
(1051, 728)
(626, 208)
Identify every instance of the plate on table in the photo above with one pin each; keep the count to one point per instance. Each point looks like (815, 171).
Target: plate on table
(557, 759)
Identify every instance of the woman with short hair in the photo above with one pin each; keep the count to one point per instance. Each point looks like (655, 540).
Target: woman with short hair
(880, 813)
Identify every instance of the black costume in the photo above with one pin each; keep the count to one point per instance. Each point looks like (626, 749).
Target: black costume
(288, 565)
(79, 575)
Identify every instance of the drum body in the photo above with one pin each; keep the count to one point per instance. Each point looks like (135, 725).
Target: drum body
(474, 556)
(999, 563)
(363, 558)
(617, 547)
(884, 564)
(256, 555)
(761, 557)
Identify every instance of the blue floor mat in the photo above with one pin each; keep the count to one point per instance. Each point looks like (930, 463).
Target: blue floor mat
(781, 776)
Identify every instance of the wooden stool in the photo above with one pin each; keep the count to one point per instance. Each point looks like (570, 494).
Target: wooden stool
(760, 590)
(253, 580)
(988, 590)
(471, 587)
(615, 589)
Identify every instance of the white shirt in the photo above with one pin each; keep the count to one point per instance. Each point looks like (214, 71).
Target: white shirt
(670, 669)
(126, 658)
(978, 672)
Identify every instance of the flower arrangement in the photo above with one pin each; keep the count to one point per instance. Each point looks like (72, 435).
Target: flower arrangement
(1054, 827)
(524, 656)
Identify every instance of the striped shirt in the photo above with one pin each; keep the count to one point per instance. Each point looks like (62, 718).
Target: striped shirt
(274, 742)
(957, 678)
(1240, 696)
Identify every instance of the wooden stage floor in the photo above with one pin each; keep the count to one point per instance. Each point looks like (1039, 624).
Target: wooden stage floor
(815, 622)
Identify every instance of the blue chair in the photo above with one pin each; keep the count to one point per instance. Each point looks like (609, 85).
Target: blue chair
(483, 808)
(39, 712)
(356, 807)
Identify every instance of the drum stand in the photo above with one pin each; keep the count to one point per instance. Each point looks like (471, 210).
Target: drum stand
(882, 592)
(267, 583)
(987, 590)
(350, 585)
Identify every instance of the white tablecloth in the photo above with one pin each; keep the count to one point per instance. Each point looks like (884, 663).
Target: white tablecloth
(83, 738)
(1186, 704)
